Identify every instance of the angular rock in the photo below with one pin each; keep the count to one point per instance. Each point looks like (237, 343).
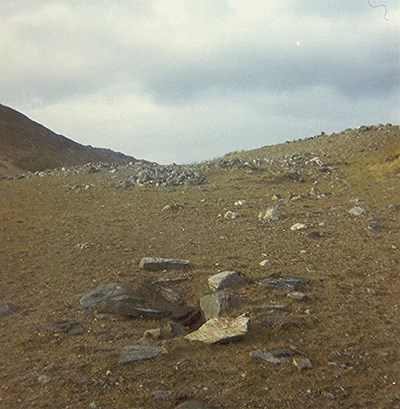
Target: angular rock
(213, 304)
(298, 296)
(357, 211)
(302, 363)
(115, 298)
(224, 280)
(140, 351)
(231, 215)
(172, 207)
(374, 226)
(240, 202)
(221, 330)
(271, 214)
(67, 326)
(298, 226)
(266, 356)
(285, 282)
(265, 263)
(159, 264)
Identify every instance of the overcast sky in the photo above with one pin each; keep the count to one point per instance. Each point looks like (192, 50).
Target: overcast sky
(189, 80)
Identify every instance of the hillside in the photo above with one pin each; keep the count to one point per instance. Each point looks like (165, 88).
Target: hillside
(28, 146)
(311, 227)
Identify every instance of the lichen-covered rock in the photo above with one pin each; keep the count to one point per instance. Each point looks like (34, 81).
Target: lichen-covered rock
(221, 330)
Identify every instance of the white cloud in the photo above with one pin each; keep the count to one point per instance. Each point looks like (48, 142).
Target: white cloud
(183, 80)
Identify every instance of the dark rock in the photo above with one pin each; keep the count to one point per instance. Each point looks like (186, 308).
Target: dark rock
(314, 235)
(115, 298)
(140, 351)
(374, 226)
(7, 309)
(283, 352)
(285, 282)
(159, 264)
(68, 326)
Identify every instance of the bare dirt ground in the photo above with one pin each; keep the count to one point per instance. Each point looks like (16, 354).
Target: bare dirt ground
(57, 243)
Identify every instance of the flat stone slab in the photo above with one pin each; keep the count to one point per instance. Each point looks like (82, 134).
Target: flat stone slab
(224, 280)
(160, 264)
(140, 351)
(67, 326)
(220, 330)
(115, 298)
(285, 282)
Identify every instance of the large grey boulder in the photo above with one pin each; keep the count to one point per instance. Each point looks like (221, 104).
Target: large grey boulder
(224, 280)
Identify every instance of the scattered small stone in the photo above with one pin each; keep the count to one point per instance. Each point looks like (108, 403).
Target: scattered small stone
(92, 405)
(68, 326)
(224, 280)
(298, 226)
(231, 215)
(271, 214)
(374, 226)
(266, 356)
(175, 207)
(314, 235)
(240, 202)
(302, 363)
(298, 296)
(328, 395)
(285, 282)
(265, 264)
(154, 333)
(357, 211)
(315, 192)
(139, 351)
(7, 309)
(221, 330)
(43, 379)
(159, 264)
(162, 395)
(213, 304)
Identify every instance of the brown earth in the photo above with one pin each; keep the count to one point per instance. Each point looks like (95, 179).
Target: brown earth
(28, 146)
(57, 243)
